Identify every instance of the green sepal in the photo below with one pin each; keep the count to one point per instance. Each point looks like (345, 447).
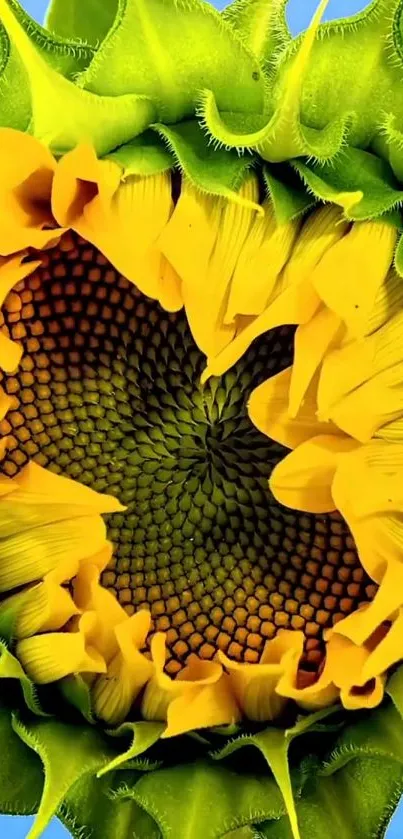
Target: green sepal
(289, 196)
(356, 802)
(21, 775)
(262, 26)
(358, 181)
(214, 171)
(398, 259)
(202, 800)
(355, 67)
(62, 115)
(168, 50)
(86, 20)
(394, 689)
(68, 755)
(274, 744)
(89, 809)
(143, 735)
(66, 56)
(77, 693)
(358, 785)
(283, 134)
(145, 155)
(10, 668)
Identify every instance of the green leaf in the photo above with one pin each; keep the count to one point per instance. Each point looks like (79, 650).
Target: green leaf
(62, 115)
(143, 735)
(274, 744)
(89, 809)
(358, 181)
(290, 198)
(145, 155)
(168, 50)
(261, 25)
(215, 171)
(204, 801)
(68, 753)
(85, 20)
(21, 775)
(10, 668)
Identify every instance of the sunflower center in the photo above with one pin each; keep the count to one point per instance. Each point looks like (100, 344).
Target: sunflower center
(108, 392)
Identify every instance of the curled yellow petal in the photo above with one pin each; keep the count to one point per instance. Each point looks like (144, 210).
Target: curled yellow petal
(198, 697)
(346, 664)
(254, 685)
(320, 693)
(114, 693)
(90, 595)
(365, 251)
(388, 651)
(52, 656)
(27, 169)
(123, 219)
(303, 480)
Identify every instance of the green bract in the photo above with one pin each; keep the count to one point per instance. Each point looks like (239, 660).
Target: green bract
(154, 85)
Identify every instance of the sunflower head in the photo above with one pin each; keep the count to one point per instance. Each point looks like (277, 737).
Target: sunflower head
(201, 456)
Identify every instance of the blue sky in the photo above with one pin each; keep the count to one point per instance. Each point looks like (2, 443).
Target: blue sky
(300, 12)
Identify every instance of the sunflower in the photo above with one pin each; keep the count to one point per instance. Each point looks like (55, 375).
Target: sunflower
(201, 417)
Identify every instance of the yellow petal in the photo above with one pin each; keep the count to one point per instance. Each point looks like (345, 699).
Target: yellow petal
(89, 595)
(209, 233)
(320, 232)
(361, 624)
(359, 362)
(254, 685)
(203, 698)
(370, 695)
(320, 694)
(311, 343)
(27, 169)
(365, 251)
(203, 707)
(39, 486)
(123, 219)
(263, 256)
(129, 670)
(295, 305)
(170, 290)
(44, 607)
(268, 410)
(346, 663)
(388, 652)
(29, 555)
(52, 656)
(388, 302)
(303, 480)
(378, 469)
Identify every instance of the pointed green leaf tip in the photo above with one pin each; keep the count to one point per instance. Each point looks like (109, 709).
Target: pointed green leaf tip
(262, 26)
(62, 115)
(168, 50)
